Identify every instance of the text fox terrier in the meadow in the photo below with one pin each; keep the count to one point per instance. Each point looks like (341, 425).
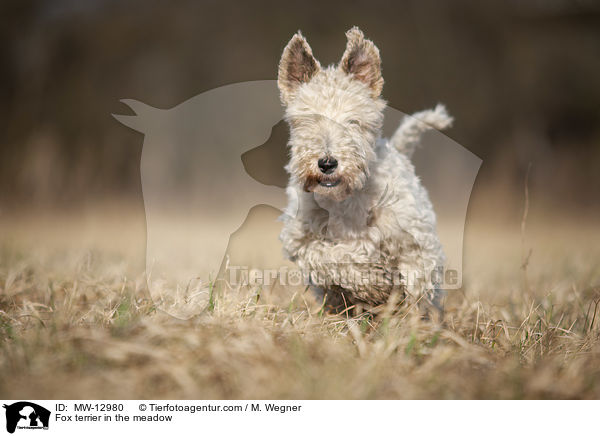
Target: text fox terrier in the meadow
(358, 222)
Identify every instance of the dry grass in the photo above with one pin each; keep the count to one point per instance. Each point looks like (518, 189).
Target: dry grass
(77, 322)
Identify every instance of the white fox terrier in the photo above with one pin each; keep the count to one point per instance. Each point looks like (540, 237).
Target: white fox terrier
(358, 223)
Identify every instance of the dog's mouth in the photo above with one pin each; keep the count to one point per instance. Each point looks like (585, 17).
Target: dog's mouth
(322, 183)
(330, 183)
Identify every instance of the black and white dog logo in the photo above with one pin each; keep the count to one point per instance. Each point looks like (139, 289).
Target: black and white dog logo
(26, 415)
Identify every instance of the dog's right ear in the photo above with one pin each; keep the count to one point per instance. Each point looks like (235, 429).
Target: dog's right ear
(362, 61)
(297, 66)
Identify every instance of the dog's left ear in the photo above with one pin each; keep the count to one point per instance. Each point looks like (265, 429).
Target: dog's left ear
(361, 60)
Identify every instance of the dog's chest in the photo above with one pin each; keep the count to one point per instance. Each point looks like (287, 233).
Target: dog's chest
(352, 219)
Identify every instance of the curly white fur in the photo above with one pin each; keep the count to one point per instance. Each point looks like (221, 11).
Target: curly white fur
(408, 135)
(354, 229)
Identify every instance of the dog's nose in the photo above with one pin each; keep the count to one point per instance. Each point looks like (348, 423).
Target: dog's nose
(327, 165)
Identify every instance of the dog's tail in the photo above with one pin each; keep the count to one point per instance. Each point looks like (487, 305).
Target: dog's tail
(408, 135)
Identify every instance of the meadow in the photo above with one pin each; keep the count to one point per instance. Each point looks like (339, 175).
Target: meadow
(77, 321)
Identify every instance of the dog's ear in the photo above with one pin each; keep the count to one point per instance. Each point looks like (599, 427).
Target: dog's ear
(297, 66)
(361, 60)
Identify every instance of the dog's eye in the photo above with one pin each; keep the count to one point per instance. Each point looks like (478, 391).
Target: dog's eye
(354, 122)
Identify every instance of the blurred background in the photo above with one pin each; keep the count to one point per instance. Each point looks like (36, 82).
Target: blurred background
(522, 79)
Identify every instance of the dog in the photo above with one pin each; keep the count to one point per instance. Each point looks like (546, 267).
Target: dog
(358, 223)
